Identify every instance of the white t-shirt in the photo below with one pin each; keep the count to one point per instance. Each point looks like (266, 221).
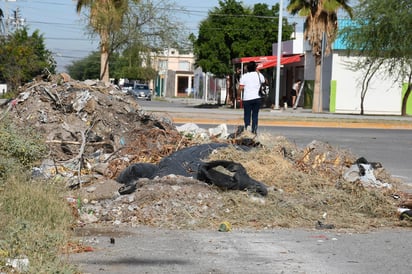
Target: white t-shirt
(251, 84)
(296, 86)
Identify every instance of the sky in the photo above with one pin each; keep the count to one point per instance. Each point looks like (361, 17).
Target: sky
(64, 29)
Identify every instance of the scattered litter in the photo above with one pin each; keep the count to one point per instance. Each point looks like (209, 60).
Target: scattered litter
(320, 225)
(363, 171)
(76, 247)
(225, 227)
(406, 215)
(21, 265)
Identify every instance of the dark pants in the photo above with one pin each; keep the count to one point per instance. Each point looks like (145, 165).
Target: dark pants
(251, 109)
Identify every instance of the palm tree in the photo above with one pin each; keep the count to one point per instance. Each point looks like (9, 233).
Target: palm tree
(321, 21)
(106, 17)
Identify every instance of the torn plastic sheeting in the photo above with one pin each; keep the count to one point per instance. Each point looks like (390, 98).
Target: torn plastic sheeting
(365, 175)
(219, 131)
(192, 129)
(184, 162)
(238, 180)
(81, 100)
(189, 162)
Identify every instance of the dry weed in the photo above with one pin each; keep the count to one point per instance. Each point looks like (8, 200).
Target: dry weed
(301, 197)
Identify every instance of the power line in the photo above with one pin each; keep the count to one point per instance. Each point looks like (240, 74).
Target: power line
(71, 39)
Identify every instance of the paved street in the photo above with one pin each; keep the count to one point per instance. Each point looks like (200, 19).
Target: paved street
(152, 250)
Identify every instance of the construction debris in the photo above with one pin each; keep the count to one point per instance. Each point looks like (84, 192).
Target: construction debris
(95, 131)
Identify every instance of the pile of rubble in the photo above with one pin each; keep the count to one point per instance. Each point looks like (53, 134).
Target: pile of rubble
(94, 131)
(89, 123)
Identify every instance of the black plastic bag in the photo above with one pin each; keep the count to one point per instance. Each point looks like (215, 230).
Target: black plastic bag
(236, 177)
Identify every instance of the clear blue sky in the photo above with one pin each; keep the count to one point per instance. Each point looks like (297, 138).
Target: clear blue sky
(64, 31)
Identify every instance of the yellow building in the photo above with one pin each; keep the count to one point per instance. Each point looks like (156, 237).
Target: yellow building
(175, 73)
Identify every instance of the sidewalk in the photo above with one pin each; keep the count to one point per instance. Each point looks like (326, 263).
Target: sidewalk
(210, 114)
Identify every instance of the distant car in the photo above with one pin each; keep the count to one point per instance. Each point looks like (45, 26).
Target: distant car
(141, 91)
(127, 87)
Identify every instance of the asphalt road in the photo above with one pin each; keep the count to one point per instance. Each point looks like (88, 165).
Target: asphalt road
(149, 250)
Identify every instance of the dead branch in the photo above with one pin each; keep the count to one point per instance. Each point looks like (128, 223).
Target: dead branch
(77, 143)
(51, 95)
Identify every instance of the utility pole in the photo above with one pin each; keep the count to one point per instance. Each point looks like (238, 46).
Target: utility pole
(10, 22)
(279, 54)
(16, 21)
(2, 28)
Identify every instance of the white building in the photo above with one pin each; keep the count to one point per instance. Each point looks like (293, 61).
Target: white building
(342, 85)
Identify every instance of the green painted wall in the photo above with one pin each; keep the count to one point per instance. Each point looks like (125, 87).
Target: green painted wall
(409, 103)
(332, 99)
(308, 93)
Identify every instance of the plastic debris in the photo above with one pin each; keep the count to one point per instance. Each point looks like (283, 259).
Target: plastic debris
(225, 227)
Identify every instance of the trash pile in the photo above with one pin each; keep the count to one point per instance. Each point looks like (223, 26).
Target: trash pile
(88, 123)
(95, 132)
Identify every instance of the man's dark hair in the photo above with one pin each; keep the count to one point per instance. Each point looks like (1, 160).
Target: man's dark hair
(251, 66)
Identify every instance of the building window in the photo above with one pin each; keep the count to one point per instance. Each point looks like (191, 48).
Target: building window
(184, 65)
(162, 64)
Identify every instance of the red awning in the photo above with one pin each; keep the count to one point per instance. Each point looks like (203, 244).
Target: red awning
(269, 61)
(283, 61)
(257, 59)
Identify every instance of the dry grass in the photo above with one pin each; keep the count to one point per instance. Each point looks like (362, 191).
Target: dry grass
(34, 224)
(307, 187)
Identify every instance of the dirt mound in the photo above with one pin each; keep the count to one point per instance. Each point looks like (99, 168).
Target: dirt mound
(94, 131)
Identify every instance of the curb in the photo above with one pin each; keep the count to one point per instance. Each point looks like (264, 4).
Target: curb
(295, 123)
(285, 121)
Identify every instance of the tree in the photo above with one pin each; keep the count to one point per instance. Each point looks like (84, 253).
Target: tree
(23, 57)
(124, 26)
(148, 28)
(105, 18)
(233, 30)
(321, 21)
(133, 63)
(86, 68)
(381, 33)
(371, 68)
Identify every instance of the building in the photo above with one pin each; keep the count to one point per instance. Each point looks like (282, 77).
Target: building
(175, 73)
(341, 84)
(292, 61)
(292, 71)
(178, 77)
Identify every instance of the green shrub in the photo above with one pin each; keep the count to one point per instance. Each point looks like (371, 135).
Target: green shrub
(19, 149)
(24, 145)
(35, 219)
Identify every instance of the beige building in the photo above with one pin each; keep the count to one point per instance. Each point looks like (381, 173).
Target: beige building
(175, 73)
